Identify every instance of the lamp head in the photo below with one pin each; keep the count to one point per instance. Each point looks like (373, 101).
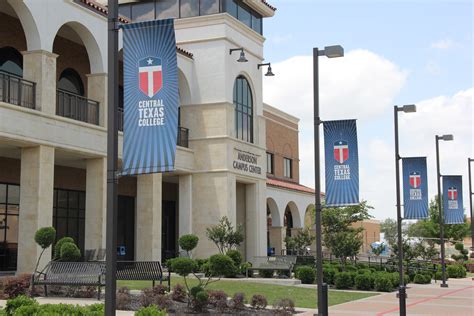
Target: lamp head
(409, 108)
(242, 58)
(334, 51)
(447, 137)
(269, 72)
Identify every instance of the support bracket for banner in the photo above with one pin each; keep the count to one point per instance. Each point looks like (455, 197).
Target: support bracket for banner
(114, 25)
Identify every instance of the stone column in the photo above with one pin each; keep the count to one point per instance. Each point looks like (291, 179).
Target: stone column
(256, 223)
(97, 91)
(36, 204)
(96, 197)
(185, 225)
(148, 218)
(40, 66)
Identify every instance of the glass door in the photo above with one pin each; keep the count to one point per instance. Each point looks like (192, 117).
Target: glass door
(9, 212)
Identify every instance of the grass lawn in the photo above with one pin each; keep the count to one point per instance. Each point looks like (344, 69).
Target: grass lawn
(470, 275)
(303, 297)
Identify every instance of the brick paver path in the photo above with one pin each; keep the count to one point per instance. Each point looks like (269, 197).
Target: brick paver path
(423, 299)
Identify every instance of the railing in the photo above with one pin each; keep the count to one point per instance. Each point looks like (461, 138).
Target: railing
(16, 90)
(183, 132)
(77, 107)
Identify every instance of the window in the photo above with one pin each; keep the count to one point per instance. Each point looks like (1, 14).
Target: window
(71, 82)
(166, 9)
(11, 61)
(209, 7)
(143, 11)
(69, 209)
(189, 8)
(270, 163)
(243, 110)
(230, 7)
(244, 16)
(287, 168)
(9, 211)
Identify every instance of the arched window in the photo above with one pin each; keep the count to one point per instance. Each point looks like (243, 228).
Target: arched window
(70, 81)
(243, 109)
(288, 221)
(11, 61)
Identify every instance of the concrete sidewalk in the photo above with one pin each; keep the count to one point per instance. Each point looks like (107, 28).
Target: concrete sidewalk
(423, 299)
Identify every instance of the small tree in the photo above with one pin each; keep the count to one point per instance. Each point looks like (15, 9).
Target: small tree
(463, 253)
(188, 243)
(44, 237)
(224, 236)
(301, 241)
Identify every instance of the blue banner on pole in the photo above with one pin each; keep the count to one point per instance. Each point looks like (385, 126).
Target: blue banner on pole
(452, 200)
(415, 187)
(151, 97)
(342, 163)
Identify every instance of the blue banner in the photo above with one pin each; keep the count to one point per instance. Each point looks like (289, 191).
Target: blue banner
(415, 187)
(342, 163)
(151, 98)
(452, 200)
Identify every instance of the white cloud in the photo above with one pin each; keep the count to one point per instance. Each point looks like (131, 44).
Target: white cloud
(443, 44)
(281, 38)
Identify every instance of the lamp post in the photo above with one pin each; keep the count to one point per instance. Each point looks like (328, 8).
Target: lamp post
(112, 153)
(409, 108)
(330, 52)
(440, 208)
(469, 160)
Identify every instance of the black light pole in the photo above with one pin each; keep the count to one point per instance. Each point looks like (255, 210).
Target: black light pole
(112, 153)
(469, 160)
(409, 108)
(330, 52)
(440, 207)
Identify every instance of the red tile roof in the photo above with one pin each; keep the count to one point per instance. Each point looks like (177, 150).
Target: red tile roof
(93, 5)
(290, 185)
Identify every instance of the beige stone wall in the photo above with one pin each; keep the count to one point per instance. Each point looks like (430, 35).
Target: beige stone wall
(282, 141)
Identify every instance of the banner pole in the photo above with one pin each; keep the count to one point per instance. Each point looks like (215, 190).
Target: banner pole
(441, 214)
(112, 153)
(401, 288)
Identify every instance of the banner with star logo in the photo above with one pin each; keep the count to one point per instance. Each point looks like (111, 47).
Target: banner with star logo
(452, 200)
(415, 187)
(342, 163)
(151, 98)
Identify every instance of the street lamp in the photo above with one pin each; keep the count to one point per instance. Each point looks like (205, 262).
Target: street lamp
(330, 52)
(408, 108)
(440, 208)
(242, 58)
(269, 70)
(469, 160)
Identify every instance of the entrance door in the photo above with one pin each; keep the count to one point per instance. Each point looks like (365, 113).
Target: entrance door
(168, 230)
(126, 228)
(9, 211)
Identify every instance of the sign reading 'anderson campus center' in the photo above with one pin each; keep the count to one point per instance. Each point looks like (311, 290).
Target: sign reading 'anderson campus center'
(246, 162)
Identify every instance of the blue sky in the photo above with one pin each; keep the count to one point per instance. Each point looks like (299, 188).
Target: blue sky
(397, 52)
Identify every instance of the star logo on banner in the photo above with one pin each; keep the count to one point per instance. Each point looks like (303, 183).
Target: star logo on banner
(150, 61)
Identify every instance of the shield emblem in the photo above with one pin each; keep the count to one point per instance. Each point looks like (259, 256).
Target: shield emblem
(150, 75)
(415, 179)
(341, 151)
(452, 193)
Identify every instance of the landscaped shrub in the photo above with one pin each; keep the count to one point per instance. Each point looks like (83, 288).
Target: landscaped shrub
(363, 282)
(44, 237)
(200, 263)
(350, 268)
(419, 279)
(69, 252)
(361, 265)
(18, 285)
(200, 301)
(439, 276)
(238, 301)
(266, 273)
(328, 275)
(151, 310)
(343, 280)
(258, 301)
(362, 271)
(244, 268)
(222, 265)
(215, 296)
(188, 242)
(284, 306)
(57, 247)
(306, 274)
(123, 298)
(383, 282)
(179, 293)
(456, 271)
(236, 256)
(183, 266)
(17, 302)
(195, 290)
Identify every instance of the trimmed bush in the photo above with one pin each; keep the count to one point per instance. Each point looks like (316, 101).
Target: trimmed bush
(343, 280)
(350, 268)
(439, 275)
(419, 279)
(17, 302)
(244, 267)
(183, 266)
(236, 256)
(237, 301)
(69, 252)
(45, 236)
(123, 298)
(151, 310)
(222, 265)
(328, 275)
(363, 271)
(188, 242)
(456, 271)
(284, 306)
(59, 243)
(217, 297)
(306, 274)
(383, 282)
(363, 282)
(266, 273)
(195, 290)
(258, 301)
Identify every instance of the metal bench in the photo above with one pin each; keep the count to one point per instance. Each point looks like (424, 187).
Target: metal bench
(275, 263)
(71, 273)
(143, 271)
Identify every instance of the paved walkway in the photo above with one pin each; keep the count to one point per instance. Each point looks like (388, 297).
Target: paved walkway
(423, 299)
